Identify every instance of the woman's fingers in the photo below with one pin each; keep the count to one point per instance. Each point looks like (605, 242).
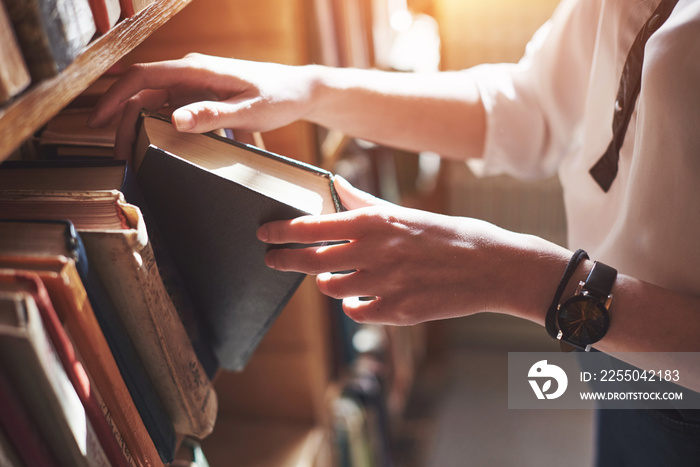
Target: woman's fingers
(313, 229)
(139, 78)
(347, 284)
(313, 259)
(207, 115)
(354, 198)
(126, 131)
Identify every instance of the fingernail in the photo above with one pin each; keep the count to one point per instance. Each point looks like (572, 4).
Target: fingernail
(263, 233)
(183, 120)
(270, 260)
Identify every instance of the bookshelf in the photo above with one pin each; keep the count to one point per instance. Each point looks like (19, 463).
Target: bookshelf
(22, 117)
(280, 409)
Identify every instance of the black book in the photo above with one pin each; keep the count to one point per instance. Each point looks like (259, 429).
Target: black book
(208, 195)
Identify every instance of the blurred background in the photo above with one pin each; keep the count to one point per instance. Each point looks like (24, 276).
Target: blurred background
(332, 392)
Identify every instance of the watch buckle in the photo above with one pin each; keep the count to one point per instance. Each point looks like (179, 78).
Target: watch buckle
(568, 347)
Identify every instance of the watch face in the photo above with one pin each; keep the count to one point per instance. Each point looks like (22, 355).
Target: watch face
(583, 320)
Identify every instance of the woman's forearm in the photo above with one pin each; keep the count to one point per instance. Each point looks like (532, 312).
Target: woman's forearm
(439, 112)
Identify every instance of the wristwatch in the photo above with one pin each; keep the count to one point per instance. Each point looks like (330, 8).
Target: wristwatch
(583, 318)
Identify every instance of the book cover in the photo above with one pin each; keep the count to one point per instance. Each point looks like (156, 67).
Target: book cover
(28, 357)
(51, 33)
(49, 240)
(118, 248)
(14, 75)
(208, 195)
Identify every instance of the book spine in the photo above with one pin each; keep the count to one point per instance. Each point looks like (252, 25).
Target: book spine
(35, 37)
(114, 430)
(14, 76)
(155, 418)
(51, 33)
(78, 24)
(74, 308)
(127, 268)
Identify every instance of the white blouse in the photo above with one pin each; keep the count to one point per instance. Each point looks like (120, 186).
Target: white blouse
(553, 111)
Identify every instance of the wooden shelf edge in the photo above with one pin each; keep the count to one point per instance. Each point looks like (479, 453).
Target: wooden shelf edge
(23, 116)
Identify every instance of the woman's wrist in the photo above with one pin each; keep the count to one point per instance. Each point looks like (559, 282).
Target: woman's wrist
(534, 279)
(317, 90)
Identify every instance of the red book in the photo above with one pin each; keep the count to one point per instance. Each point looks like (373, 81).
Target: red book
(105, 13)
(131, 7)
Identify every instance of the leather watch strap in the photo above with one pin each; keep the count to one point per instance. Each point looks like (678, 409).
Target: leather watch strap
(550, 319)
(600, 280)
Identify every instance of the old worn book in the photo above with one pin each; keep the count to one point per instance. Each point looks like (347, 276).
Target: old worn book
(106, 435)
(66, 135)
(48, 241)
(51, 33)
(87, 210)
(73, 310)
(119, 250)
(14, 75)
(99, 175)
(33, 367)
(208, 195)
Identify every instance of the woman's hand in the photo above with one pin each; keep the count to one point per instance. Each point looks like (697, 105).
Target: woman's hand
(206, 93)
(416, 266)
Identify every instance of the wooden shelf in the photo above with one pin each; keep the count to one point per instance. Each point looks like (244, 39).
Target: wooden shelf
(23, 116)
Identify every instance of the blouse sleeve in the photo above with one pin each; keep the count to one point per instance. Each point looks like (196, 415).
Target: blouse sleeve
(534, 108)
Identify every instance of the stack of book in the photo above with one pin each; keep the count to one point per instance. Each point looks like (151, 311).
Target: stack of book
(123, 293)
(40, 38)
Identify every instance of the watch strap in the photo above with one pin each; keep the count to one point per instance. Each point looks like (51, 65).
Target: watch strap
(550, 318)
(600, 280)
